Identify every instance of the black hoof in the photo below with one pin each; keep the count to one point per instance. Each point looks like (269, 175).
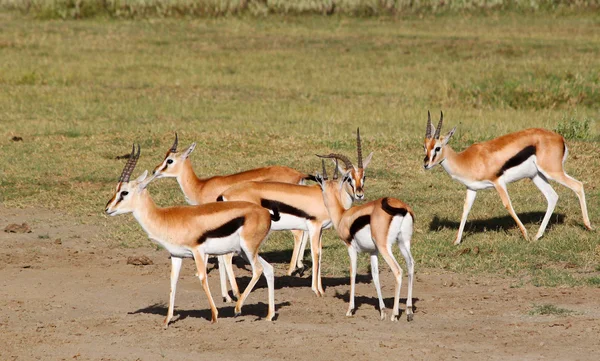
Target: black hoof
(409, 317)
(237, 314)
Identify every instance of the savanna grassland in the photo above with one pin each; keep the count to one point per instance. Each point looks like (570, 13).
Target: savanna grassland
(255, 91)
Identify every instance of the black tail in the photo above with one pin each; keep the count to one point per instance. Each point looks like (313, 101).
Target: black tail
(275, 216)
(392, 211)
(220, 199)
(310, 177)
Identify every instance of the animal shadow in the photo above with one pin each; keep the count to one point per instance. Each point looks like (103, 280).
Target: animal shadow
(374, 301)
(497, 223)
(258, 309)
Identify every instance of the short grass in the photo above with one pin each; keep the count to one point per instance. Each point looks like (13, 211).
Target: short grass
(276, 90)
(549, 309)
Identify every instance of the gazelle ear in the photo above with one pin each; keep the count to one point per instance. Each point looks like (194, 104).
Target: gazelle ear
(186, 153)
(141, 180)
(368, 160)
(449, 135)
(319, 179)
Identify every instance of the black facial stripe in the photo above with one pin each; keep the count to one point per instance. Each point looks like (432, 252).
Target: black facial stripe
(224, 230)
(519, 158)
(285, 208)
(392, 211)
(358, 224)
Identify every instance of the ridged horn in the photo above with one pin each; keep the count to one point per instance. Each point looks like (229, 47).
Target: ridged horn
(341, 157)
(439, 127)
(428, 130)
(359, 148)
(130, 165)
(336, 171)
(325, 177)
(174, 146)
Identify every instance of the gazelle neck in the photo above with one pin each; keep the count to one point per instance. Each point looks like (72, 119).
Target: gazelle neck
(147, 214)
(450, 160)
(337, 202)
(189, 183)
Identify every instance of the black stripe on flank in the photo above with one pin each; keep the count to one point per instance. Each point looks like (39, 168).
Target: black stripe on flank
(392, 211)
(358, 224)
(310, 177)
(285, 208)
(519, 158)
(224, 230)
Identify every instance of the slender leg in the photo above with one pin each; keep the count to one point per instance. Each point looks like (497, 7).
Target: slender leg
(228, 258)
(315, 251)
(201, 267)
(542, 183)
(466, 209)
(501, 188)
(577, 187)
(298, 238)
(386, 253)
(375, 275)
(223, 279)
(406, 231)
(257, 270)
(175, 268)
(305, 236)
(353, 259)
(270, 276)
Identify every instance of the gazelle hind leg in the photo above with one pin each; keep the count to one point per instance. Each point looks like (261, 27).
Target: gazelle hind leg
(386, 253)
(353, 261)
(296, 261)
(551, 197)
(315, 251)
(175, 268)
(404, 239)
(201, 268)
(375, 275)
(228, 258)
(501, 188)
(577, 187)
(270, 276)
(257, 270)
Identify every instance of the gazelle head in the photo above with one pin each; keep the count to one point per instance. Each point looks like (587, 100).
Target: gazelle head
(355, 181)
(333, 190)
(434, 144)
(174, 161)
(128, 192)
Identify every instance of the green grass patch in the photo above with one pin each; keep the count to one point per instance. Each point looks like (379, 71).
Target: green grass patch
(549, 309)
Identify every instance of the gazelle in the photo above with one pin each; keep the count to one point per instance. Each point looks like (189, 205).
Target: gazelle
(374, 228)
(196, 232)
(538, 154)
(200, 191)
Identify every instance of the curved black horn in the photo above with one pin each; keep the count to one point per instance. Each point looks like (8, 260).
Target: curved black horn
(439, 127)
(341, 157)
(359, 148)
(428, 130)
(130, 165)
(174, 146)
(324, 170)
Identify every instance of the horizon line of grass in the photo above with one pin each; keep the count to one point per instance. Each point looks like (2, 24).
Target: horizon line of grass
(132, 9)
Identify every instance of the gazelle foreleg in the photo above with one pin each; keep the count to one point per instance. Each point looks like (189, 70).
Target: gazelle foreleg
(300, 238)
(551, 197)
(375, 275)
(175, 268)
(353, 264)
(315, 251)
(470, 198)
(501, 188)
(223, 279)
(201, 268)
(405, 236)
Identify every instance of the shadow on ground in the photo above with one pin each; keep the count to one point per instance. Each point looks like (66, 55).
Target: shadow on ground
(497, 223)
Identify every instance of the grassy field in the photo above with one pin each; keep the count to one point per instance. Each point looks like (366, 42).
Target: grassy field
(256, 92)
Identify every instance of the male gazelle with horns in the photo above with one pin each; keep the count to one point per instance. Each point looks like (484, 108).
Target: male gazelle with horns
(200, 191)
(302, 207)
(374, 228)
(538, 154)
(196, 232)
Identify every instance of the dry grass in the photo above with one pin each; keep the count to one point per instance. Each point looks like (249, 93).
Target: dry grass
(254, 92)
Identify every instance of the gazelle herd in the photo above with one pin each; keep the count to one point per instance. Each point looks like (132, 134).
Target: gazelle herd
(234, 214)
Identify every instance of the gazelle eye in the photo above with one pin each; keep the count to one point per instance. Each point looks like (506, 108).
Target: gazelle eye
(124, 193)
(169, 161)
(437, 149)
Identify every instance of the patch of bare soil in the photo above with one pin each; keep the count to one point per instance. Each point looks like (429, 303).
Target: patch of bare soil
(77, 300)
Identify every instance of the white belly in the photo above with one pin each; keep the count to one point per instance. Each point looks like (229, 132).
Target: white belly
(174, 250)
(527, 169)
(363, 242)
(220, 246)
(473, 184)
(288, 222)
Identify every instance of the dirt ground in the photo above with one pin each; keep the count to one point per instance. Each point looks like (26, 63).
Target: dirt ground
(76, 300)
